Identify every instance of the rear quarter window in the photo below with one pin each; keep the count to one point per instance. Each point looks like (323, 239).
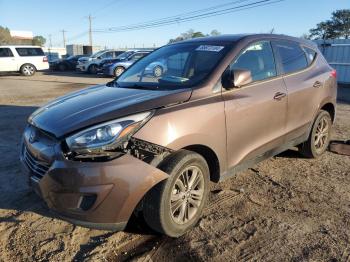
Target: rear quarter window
(292, 57)
(29, 51)
(310, 54)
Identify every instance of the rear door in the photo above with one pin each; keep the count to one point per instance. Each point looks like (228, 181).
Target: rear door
(32, 55)
(255, 113)
(304, 80)
(8, 61)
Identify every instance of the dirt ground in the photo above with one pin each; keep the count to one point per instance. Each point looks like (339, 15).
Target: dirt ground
(286, 208)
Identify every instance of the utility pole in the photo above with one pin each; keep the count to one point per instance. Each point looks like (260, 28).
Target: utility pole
(50, 46)
(64, 37)
(90, 29)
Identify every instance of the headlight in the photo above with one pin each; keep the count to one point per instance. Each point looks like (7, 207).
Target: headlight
(107, 136)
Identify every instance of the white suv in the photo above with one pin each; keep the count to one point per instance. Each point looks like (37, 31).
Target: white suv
(24, 59)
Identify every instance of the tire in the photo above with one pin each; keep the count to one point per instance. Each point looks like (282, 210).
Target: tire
(28, 69)
(92, 69)
(157, 71)
(118, 71)
(172, 194)
(62, 67)
(319, 137)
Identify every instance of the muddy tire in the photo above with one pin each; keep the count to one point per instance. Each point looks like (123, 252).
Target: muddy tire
(175, 205)
(28, 69)
(319, 137)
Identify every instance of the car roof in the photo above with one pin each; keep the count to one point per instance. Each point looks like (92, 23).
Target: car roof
(24, 46)
(237, 37)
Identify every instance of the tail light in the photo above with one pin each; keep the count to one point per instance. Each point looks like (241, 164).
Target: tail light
(45, 59)
(334, 73)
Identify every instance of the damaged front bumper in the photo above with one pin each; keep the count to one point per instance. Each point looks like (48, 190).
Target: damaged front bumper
(99, 195)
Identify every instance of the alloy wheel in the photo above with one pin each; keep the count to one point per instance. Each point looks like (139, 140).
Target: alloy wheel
(187, 195)
(321, 134)
(28, 70)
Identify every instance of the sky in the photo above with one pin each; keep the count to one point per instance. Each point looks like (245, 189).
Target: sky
(291, 17)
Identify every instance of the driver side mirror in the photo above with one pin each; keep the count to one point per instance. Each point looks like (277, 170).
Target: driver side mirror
(236, 78)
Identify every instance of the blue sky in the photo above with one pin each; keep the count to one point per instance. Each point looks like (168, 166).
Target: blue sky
(292, 17)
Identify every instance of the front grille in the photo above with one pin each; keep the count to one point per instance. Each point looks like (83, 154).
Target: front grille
(37, 168)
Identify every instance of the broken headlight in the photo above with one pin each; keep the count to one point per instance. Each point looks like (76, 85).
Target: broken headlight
(107, 136)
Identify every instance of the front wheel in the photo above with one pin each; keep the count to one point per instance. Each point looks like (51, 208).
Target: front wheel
(92, 69)
(175, 205)
(319, 137)
(28, 69)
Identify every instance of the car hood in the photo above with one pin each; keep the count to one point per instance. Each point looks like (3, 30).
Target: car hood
(97, 104)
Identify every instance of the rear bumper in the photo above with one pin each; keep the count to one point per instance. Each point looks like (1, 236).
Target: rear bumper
(99, 195)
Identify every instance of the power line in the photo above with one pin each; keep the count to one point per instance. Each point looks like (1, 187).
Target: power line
(190, 16)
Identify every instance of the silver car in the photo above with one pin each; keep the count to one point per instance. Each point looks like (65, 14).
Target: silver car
(118, 68)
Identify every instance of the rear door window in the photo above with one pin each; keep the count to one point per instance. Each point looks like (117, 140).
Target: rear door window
(258, 59)
(291, 56)
(5, 52)
(29, 51)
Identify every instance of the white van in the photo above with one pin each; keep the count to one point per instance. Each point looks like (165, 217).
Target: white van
(24, 59)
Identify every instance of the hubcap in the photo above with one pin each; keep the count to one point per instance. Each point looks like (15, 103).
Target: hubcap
(28, 70)
(187, 195)
(321, 134)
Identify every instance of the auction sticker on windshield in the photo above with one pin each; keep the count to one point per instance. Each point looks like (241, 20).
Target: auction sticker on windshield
(210, 48)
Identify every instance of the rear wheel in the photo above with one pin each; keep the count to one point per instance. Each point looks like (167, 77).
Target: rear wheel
(28, 69)
(118, 71)
(319, 137)
(175, 205)
(62, 67)
(158, 71)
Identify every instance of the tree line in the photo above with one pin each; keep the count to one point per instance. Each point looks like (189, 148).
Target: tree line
(7, 39)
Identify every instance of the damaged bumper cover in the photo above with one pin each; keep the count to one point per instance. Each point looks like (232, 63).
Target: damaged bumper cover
(99, 195)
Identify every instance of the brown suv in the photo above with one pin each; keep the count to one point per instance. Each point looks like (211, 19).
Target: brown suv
(189, 113)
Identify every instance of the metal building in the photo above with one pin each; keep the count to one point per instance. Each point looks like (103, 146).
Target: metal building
(337, 53)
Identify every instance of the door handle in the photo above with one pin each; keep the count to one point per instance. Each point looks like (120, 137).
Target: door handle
(317, 84)
(279, 96)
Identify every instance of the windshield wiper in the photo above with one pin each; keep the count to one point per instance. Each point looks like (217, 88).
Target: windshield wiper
(137, 86)
(113, 84)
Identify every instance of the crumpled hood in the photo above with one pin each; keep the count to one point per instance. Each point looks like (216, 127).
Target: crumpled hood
(100, 103)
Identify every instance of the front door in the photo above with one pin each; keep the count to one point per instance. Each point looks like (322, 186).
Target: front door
(255, 113)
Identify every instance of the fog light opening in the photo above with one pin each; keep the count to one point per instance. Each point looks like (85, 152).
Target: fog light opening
(87, 201)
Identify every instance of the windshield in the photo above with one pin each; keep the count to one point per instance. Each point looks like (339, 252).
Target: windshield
(97, 54)
(174, 66)
(125, 54)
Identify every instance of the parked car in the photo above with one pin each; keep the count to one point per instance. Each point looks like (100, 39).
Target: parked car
(150, 145)
(109, 61)
(24, 59)
(68, 63)
(90, 64)
(116, 69)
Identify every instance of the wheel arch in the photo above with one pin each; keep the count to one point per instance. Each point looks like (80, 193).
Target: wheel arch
(330, 108)
(210, 157)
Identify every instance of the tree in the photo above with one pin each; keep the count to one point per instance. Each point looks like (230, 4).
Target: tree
(5, 36)
(337, 27)
(39, 40)
(192, 34)
(215, 32)
(341, 20)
